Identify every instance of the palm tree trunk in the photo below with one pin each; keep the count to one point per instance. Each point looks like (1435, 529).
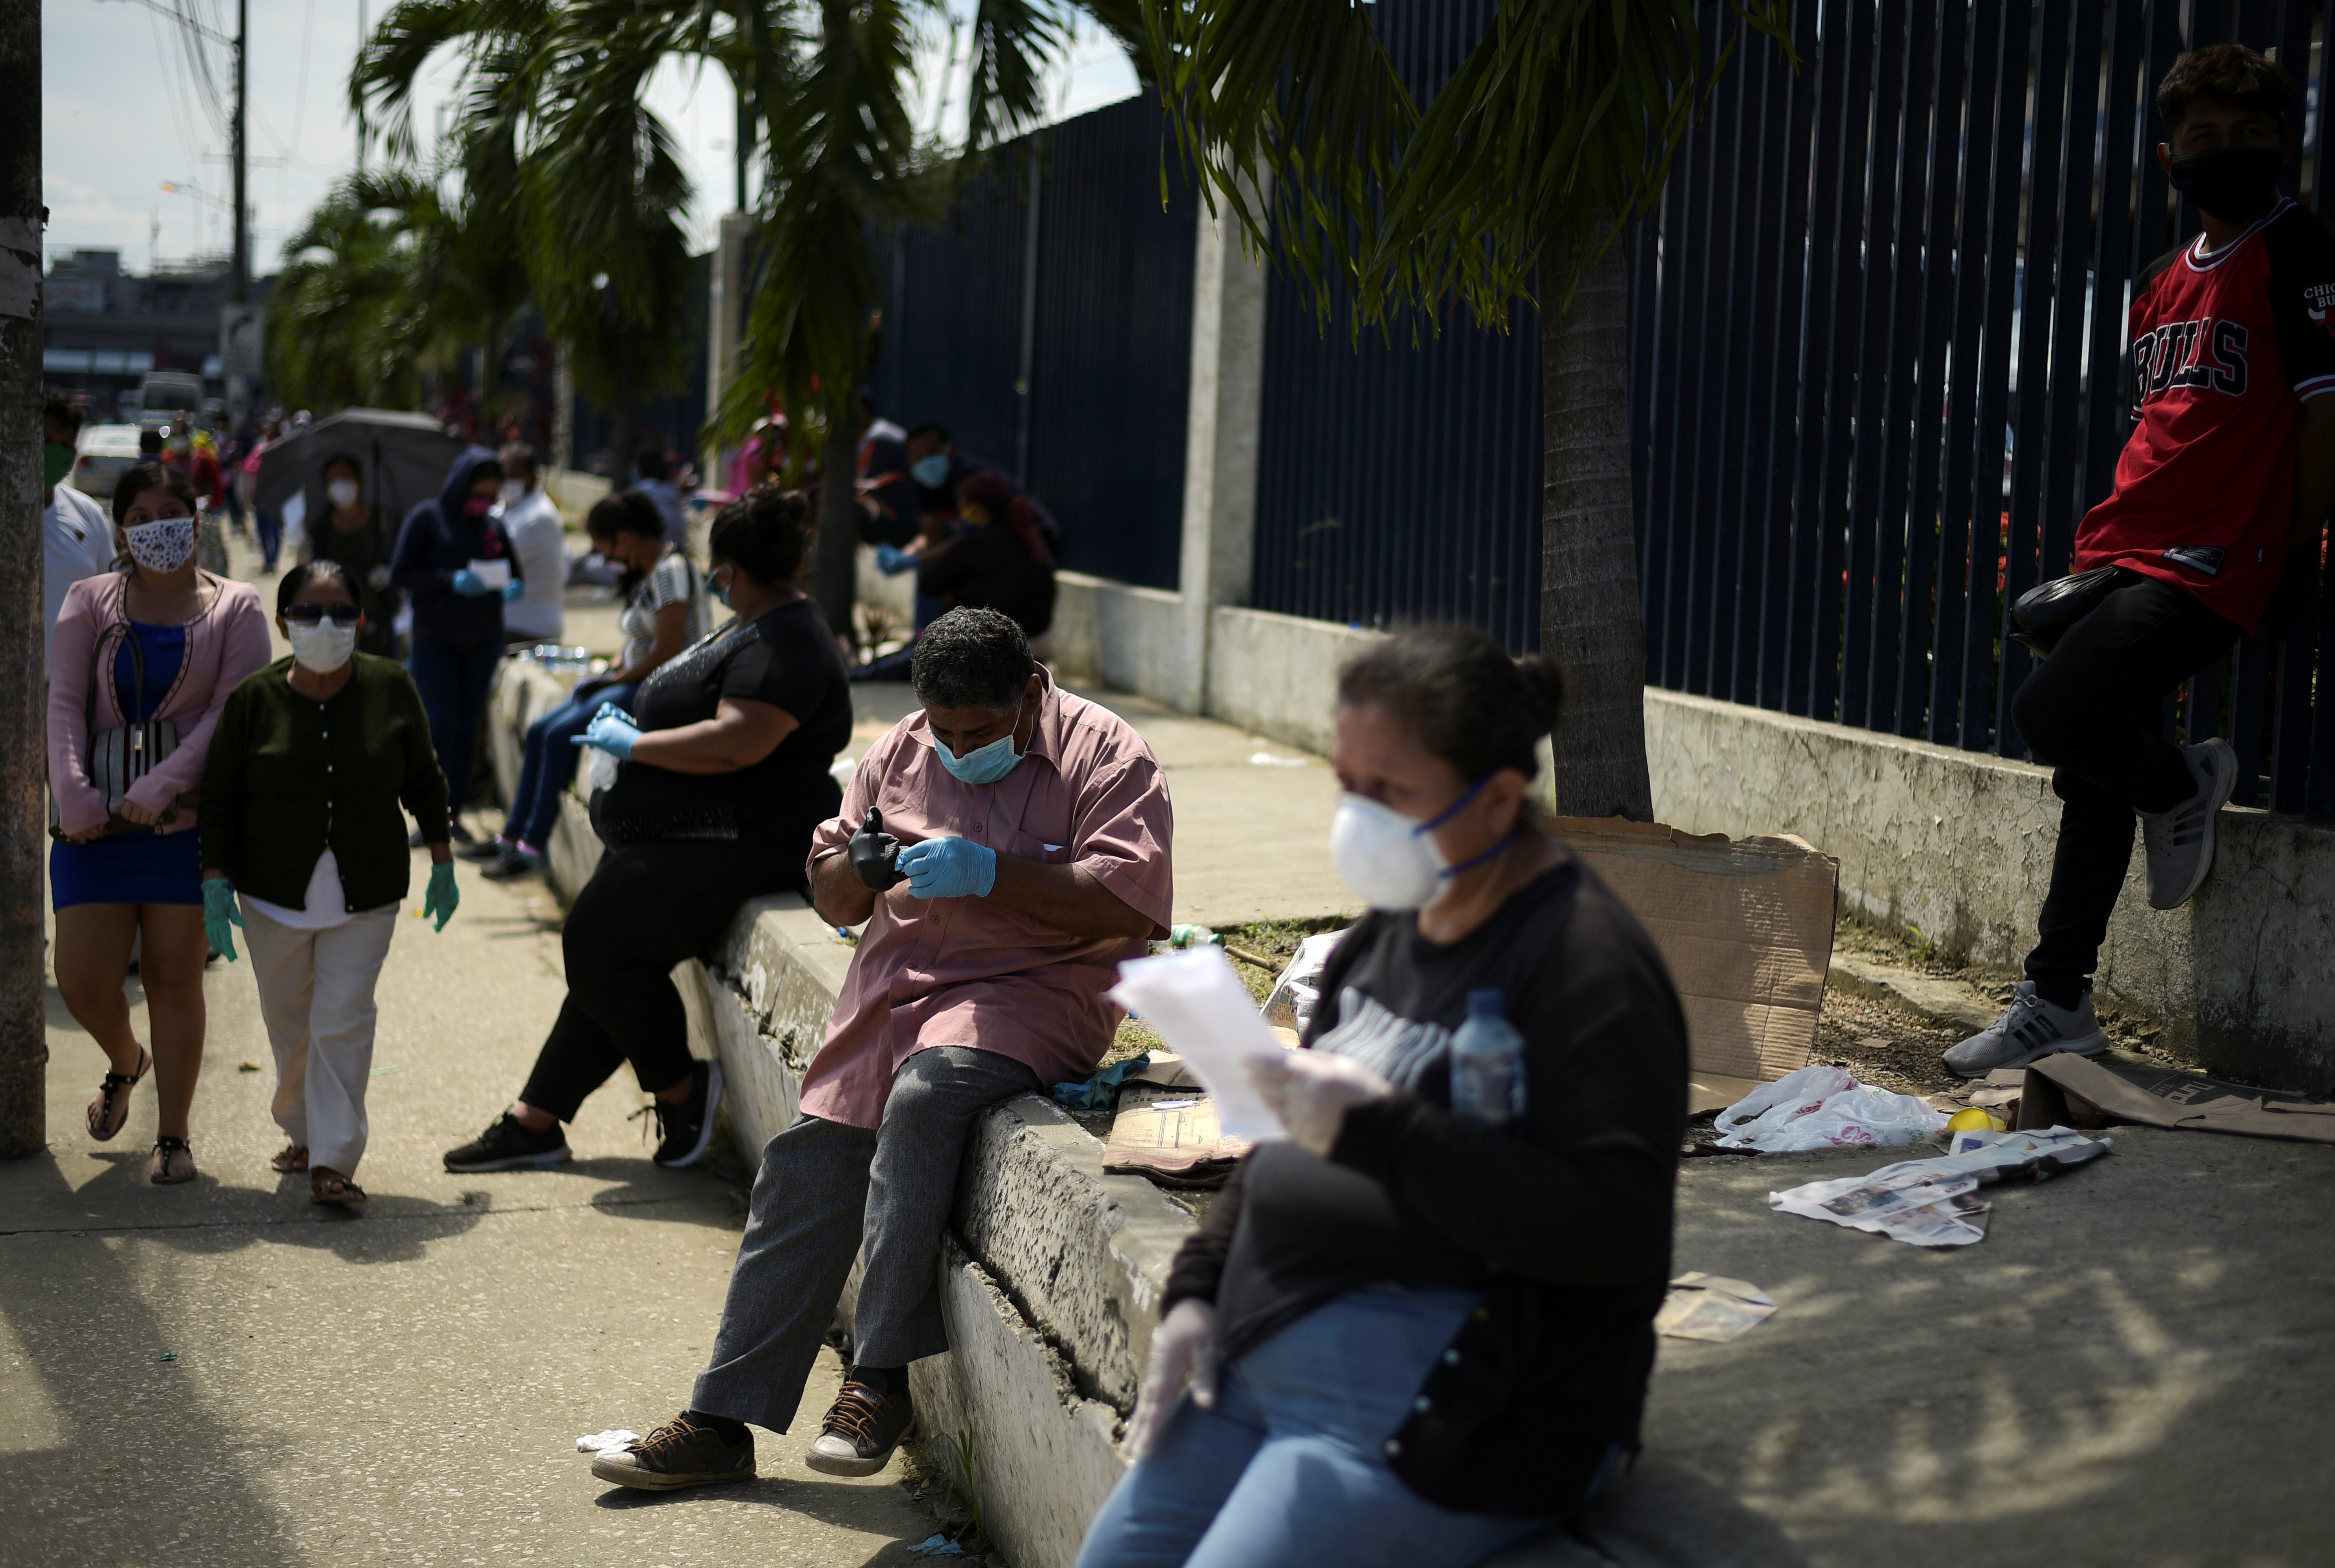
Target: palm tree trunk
(836, 567)
(1591, 621)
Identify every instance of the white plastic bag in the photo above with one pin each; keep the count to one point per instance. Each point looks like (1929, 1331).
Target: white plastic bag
(1298, 990)
(1824, 1108)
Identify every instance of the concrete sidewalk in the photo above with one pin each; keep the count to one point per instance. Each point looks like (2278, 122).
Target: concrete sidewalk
(404, 1386)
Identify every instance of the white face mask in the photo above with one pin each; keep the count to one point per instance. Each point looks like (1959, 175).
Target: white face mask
(513, 492)
(1392, 861)
(343, 493)
(322, 647)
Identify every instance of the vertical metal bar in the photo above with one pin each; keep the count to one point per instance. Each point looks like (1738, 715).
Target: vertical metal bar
(1982, 593)
(2064, 454)
(1957, 513)
(2051, 127)
(1795, 262)
(1699, 390)
(1756, 378)
(1811, 506)
(1029, 318)
(1940, 244)
(1863, 515)
(1724, 401)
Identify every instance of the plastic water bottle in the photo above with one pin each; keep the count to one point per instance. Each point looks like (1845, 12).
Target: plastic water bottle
(1488, 1062)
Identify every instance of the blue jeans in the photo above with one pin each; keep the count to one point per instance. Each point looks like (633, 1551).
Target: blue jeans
(1286, 1468)
(271, 538)
(454, 679)
(548, 759)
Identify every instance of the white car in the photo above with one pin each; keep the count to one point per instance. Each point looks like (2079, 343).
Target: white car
(100, 457)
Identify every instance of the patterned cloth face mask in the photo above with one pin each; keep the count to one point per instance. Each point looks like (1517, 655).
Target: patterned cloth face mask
(163, 545)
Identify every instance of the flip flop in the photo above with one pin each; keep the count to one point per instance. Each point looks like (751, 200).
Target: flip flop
(104, 1101)
(166, 1146)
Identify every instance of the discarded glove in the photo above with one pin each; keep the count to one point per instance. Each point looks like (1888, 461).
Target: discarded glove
(949, 869)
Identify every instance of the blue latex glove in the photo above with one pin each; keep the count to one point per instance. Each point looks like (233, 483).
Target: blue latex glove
(444, 897)
(220, 916)
(513, 591)
(612, 731)
(892, 561)
(470, 584)
(949, 869)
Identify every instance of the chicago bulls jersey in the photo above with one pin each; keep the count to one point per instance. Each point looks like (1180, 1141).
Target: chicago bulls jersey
(2227, 346)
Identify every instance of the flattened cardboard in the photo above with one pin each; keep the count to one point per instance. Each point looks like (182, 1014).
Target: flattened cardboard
(1746, 927)
(1169, 1133)
(2093, 1091)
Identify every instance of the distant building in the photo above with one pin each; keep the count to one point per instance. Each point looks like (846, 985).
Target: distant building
(105, 328)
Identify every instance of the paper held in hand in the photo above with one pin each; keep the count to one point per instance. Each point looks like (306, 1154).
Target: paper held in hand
(493, 573)
(1207, 1017)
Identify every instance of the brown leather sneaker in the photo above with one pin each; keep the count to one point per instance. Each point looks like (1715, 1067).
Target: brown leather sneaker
(674, 1456)
(861, 1429)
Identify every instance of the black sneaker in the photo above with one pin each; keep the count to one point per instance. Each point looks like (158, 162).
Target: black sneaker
(685, 1127)
(484, 850)
(862, 1427)
(676, 1455)
(507, 1146)
(511, 863)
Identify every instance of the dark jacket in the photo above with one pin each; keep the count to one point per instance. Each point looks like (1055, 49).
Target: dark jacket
(287, 776)
(993, 568)
(439, 539)
(1570, 1212)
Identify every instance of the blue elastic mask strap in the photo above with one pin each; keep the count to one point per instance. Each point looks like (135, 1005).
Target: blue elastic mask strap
(1493, 853)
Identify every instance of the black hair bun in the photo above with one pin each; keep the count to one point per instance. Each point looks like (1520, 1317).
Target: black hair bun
(1544, 685)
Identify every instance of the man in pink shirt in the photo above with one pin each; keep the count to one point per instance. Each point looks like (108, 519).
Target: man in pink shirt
(1032, 831)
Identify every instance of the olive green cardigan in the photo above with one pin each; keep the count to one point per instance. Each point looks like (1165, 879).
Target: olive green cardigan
(288, 775)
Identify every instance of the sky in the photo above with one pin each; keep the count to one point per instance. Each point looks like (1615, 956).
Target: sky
(126, 110)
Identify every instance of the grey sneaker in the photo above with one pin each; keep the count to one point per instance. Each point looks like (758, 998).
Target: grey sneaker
(2029, 1029)
(676, 1455)
(861, 1429)
(2180, 842)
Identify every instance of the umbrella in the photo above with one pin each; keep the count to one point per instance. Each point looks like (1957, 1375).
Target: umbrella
(403, 458)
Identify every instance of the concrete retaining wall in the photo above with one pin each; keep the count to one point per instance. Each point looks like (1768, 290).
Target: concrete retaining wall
(1960, 844)
(1116, 635)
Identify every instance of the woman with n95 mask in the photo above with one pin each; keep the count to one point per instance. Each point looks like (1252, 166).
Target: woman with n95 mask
(311, 761)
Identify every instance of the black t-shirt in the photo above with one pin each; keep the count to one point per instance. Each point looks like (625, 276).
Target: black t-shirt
(787, 658)
(990, 567)
(1310, 1228)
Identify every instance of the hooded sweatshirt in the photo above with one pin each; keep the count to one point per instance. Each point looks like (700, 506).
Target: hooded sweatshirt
(439, 539)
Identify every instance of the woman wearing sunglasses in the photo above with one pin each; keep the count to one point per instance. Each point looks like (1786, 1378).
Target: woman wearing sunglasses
(144, 658)
(312, 758)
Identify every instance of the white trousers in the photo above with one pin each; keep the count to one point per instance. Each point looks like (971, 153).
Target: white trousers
(316, 994)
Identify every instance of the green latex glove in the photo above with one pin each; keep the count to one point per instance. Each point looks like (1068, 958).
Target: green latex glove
(220, 916)
(443, 896)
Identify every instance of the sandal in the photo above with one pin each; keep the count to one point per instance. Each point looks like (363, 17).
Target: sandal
(327, 1185)
(295, 1157)
(166, 1147)
(104, 1103)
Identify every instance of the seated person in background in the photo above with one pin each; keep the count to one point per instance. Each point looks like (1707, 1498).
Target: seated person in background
(721, 778)
(653, 477)
(664, 612)
(998, 561)
(1037, 829)
(1420, 1328)
(889, 509)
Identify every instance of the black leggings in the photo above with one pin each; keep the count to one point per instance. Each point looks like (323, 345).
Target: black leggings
(2095, 711)
(647, 907)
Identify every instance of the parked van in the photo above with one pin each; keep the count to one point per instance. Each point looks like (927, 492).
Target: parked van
(171, 398)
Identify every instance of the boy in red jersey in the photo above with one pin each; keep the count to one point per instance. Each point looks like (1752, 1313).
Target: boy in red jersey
(2229, 470)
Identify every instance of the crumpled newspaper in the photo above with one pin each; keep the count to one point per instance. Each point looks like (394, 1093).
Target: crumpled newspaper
(1933, 1202)
(600, 1442)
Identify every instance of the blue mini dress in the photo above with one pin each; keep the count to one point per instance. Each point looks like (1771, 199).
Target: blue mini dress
(141, 866)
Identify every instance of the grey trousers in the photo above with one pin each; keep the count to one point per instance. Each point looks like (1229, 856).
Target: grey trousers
(827, 1193)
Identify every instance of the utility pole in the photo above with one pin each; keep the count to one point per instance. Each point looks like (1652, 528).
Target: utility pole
(239, 285)
(24, 998)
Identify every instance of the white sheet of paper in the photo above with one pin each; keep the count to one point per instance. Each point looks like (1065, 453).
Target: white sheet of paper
(1208, 1018)
(493, 573)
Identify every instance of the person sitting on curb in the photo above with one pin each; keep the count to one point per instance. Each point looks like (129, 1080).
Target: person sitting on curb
(1036, 828)
(2229, 472)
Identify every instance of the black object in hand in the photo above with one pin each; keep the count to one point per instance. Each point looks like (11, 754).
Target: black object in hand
(873, 850)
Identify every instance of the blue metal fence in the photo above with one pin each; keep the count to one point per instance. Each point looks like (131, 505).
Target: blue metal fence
(1397, 482)
(1074, 374)
(1877, 351)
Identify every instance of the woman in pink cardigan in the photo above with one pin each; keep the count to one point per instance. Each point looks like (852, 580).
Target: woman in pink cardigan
(166, 642)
